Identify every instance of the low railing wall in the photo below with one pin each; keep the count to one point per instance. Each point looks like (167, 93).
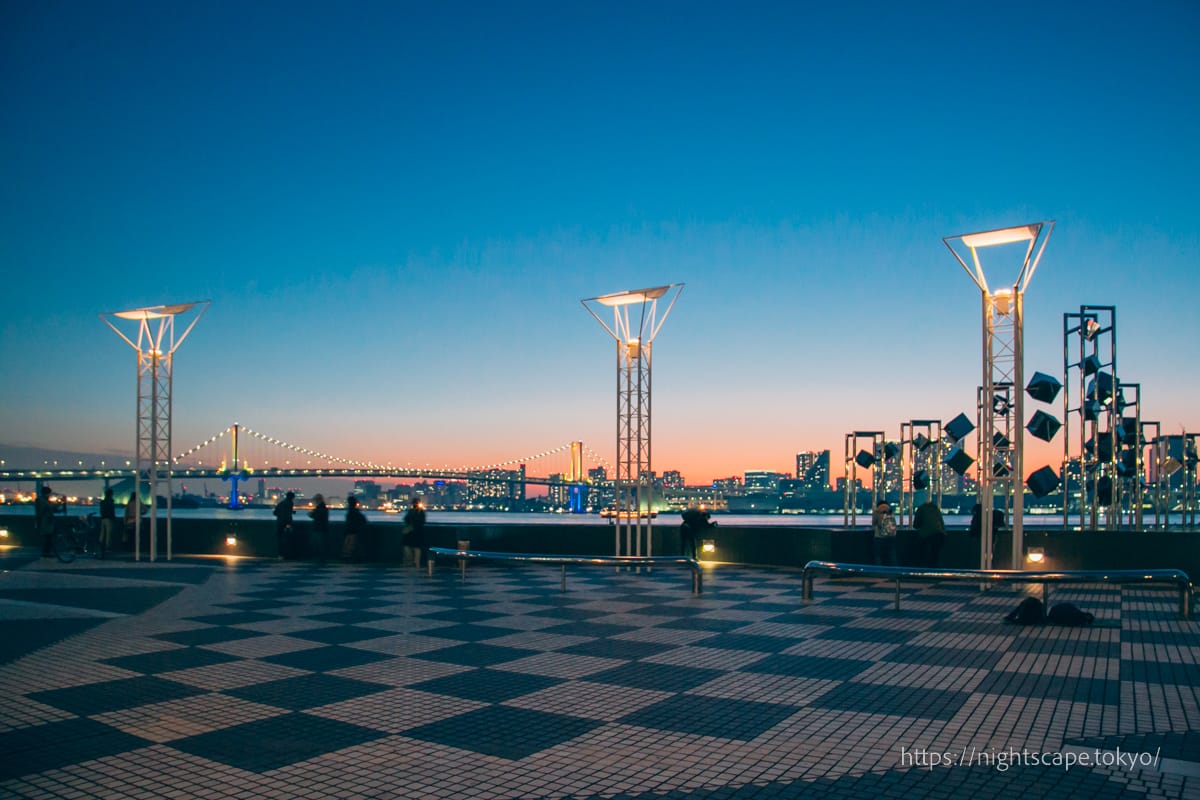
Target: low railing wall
(770, 545)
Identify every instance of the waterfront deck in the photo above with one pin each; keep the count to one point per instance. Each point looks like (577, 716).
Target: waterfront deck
(265, 679)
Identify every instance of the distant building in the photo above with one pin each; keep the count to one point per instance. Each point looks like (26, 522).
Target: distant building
(762, 481)
(731, 485)
(812, 471)
(671, 479)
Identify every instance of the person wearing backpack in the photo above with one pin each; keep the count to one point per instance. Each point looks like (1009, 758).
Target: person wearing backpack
(883, 528)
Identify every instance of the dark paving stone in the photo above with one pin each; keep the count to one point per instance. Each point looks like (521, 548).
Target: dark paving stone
(340, 634)
(253, 605)
(662, 677)
(326, 659)
(945, 656)
(202, 636)
(900, 701)
(569, 613)
(120, 600)
(700, 623)
(99, 698)
(351, 617)
(1066, 647)
(468, 632)
(28, 751)
(355, 603)
(276, 742)
(169, 660)
(473, 654)
(750, 641)
(770, 606)
(819, 667)
(596, 630)
(1160, 672)
(875, 635)
(617, 648)
(150, 572)
(234, 618)
(20, 637)
(306, 691)
(487, 685)
(462, 615)
(1079, 690)
(996, 628)
(908, 613)
(710, 716)
(503, 732)
(816, 618)
(1178, 638)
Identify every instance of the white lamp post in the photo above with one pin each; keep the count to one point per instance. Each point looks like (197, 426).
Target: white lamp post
(1001, 399)
(155, 343)
(635, 323)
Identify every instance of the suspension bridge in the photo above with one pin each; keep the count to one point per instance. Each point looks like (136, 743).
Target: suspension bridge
(239, 453)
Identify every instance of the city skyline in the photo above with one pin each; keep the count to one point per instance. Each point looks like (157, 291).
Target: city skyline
(396, 212)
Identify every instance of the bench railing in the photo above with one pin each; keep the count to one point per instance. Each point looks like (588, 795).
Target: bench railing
(464, 556)
(1173, 577)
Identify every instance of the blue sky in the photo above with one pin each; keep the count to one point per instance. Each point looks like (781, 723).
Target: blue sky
(396, 208)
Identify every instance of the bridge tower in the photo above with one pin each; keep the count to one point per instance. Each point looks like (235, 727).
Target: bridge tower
(155, 343)
(635, 323)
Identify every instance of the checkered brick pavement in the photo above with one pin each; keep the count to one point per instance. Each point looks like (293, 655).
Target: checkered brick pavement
(279, 680)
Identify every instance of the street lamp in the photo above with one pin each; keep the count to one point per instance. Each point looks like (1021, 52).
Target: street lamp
(635, 323)
(1001, 439)
(155, 343)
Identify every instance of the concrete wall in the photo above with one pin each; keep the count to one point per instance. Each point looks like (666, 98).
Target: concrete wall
(774, 545)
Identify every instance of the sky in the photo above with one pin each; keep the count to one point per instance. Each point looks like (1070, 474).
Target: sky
(395, 209)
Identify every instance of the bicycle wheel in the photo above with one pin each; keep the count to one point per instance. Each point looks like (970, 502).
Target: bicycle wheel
(65, 546)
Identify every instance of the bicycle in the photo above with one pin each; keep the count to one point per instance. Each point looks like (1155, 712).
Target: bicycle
(80, 538)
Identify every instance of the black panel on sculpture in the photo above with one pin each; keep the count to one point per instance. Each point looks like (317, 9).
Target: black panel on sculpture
(1104, 491)
(1091, 365)
(920, 479)
(1100, 388)
(959, 427)
(1042, 482)
(1043, 426)
(864, 459)
(959, 461)
(1043, 388)
(890, 451)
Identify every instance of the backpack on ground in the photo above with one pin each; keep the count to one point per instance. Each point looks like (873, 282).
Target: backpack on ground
(1029, 612)
(1069, 614)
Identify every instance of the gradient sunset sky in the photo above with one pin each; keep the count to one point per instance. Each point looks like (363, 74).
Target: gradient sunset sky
(395, 209)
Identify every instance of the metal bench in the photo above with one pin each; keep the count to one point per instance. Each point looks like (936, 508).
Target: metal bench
(1173, 577)
(463, 556)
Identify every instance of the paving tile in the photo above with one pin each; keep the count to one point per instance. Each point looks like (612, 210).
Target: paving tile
(98, 698)
(275, 742)
(503, 731)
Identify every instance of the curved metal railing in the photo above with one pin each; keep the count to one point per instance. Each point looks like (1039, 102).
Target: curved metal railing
(1174, 577)
(464, 556)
